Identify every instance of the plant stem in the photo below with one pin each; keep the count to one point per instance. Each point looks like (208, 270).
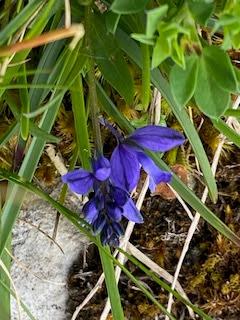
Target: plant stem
(94, 109)
(145, 76)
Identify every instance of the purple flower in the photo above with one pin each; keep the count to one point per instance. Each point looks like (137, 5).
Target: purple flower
(81, 181)
(128, 156)
(108, 204)
(105, 211)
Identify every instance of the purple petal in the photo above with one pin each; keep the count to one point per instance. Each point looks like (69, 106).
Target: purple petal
(156, 138)
(90, 211)
(79, 181)
(117, 228)
(99, 224)
(101, 168)
(119, 195)
(114, 213)
(155, 173)
(125, 167)
(131, 212)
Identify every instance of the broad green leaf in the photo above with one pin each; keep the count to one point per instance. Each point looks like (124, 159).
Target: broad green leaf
(128, 6)
(178, 53)
(153, 18)
(110, 61)
(161, 51)
(112, 20)
(201, 10)
(228, 132)
(218, 64)
(183, 82)
(167, 44)
(210, 98)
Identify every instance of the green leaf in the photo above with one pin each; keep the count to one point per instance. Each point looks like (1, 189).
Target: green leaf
(210, 98)
(228, 132)
(143, 38)
(111, 61)
(41, 134)
(112, 20)
(237, 74)
(218, 64)
(80, 122)
(183, 82)
(232, 113)
(201, 10)
(153, 18)
(128, 6)
(161, 51)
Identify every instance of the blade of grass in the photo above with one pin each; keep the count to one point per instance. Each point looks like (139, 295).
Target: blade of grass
(228, 132)
(5, 305)
(132, 50)
(25, 308)
(19, 20)
(80, 122)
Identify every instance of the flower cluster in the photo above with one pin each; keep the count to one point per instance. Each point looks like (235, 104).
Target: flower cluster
(112, 181)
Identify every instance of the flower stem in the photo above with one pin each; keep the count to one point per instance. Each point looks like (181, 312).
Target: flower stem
(145, 76)
(94, 109)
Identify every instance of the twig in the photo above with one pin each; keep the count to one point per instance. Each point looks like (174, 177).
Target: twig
(43, 232)
(189, 213)
(195, 221)
(67, 14)
(75, 31)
